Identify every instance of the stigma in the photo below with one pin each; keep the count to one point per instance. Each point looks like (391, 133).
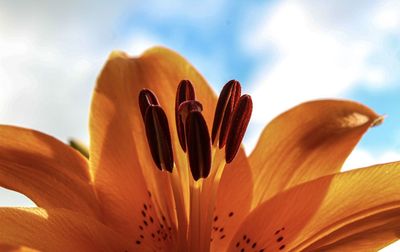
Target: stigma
(231, 118)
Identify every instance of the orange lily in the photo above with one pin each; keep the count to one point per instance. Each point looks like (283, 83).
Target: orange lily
(288, 195)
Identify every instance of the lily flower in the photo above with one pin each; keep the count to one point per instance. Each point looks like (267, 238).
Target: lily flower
(166, 172)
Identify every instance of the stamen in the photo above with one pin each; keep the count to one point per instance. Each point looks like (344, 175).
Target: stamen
(194, 198)
(184, 92)
(240, 120)
(146, 98)
(159, 137)
(198, 143)
(223, 112)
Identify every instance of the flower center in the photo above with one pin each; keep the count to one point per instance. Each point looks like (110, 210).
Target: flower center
(206, 156)
(231, 118)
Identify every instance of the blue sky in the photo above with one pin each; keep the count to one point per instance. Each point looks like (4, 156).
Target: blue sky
(283, 52)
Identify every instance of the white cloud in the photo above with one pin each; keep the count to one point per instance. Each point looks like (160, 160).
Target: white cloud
(394, 247)
(363, 158)
(312, 61)
(375, 77)
(139, 42)
(13, 199)
(387, 16)
(49, 58)
(308, 50)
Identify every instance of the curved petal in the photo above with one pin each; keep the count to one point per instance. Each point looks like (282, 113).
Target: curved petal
(119, 155)
(118, 150)
(124, 172)
(47, 171)
(309, 141)
(371, 234)
(336, 211)
(58, 230)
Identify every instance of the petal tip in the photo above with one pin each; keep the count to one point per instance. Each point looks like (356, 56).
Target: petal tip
(117, 54)
(378, 120)
(160, 50)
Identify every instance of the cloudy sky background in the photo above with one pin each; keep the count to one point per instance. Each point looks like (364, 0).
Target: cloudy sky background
(283, 52)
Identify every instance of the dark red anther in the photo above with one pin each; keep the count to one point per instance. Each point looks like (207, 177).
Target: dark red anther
(159, 137)
(183, 112)
(240, 120)
(184, 92)
(146, 98)
(227, 101)
(198, 145)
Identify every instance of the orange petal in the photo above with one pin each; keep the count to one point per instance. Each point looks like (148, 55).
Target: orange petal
(357, 210)
(306, 142)
(58, 230)
(120, 158)
(47, 171)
